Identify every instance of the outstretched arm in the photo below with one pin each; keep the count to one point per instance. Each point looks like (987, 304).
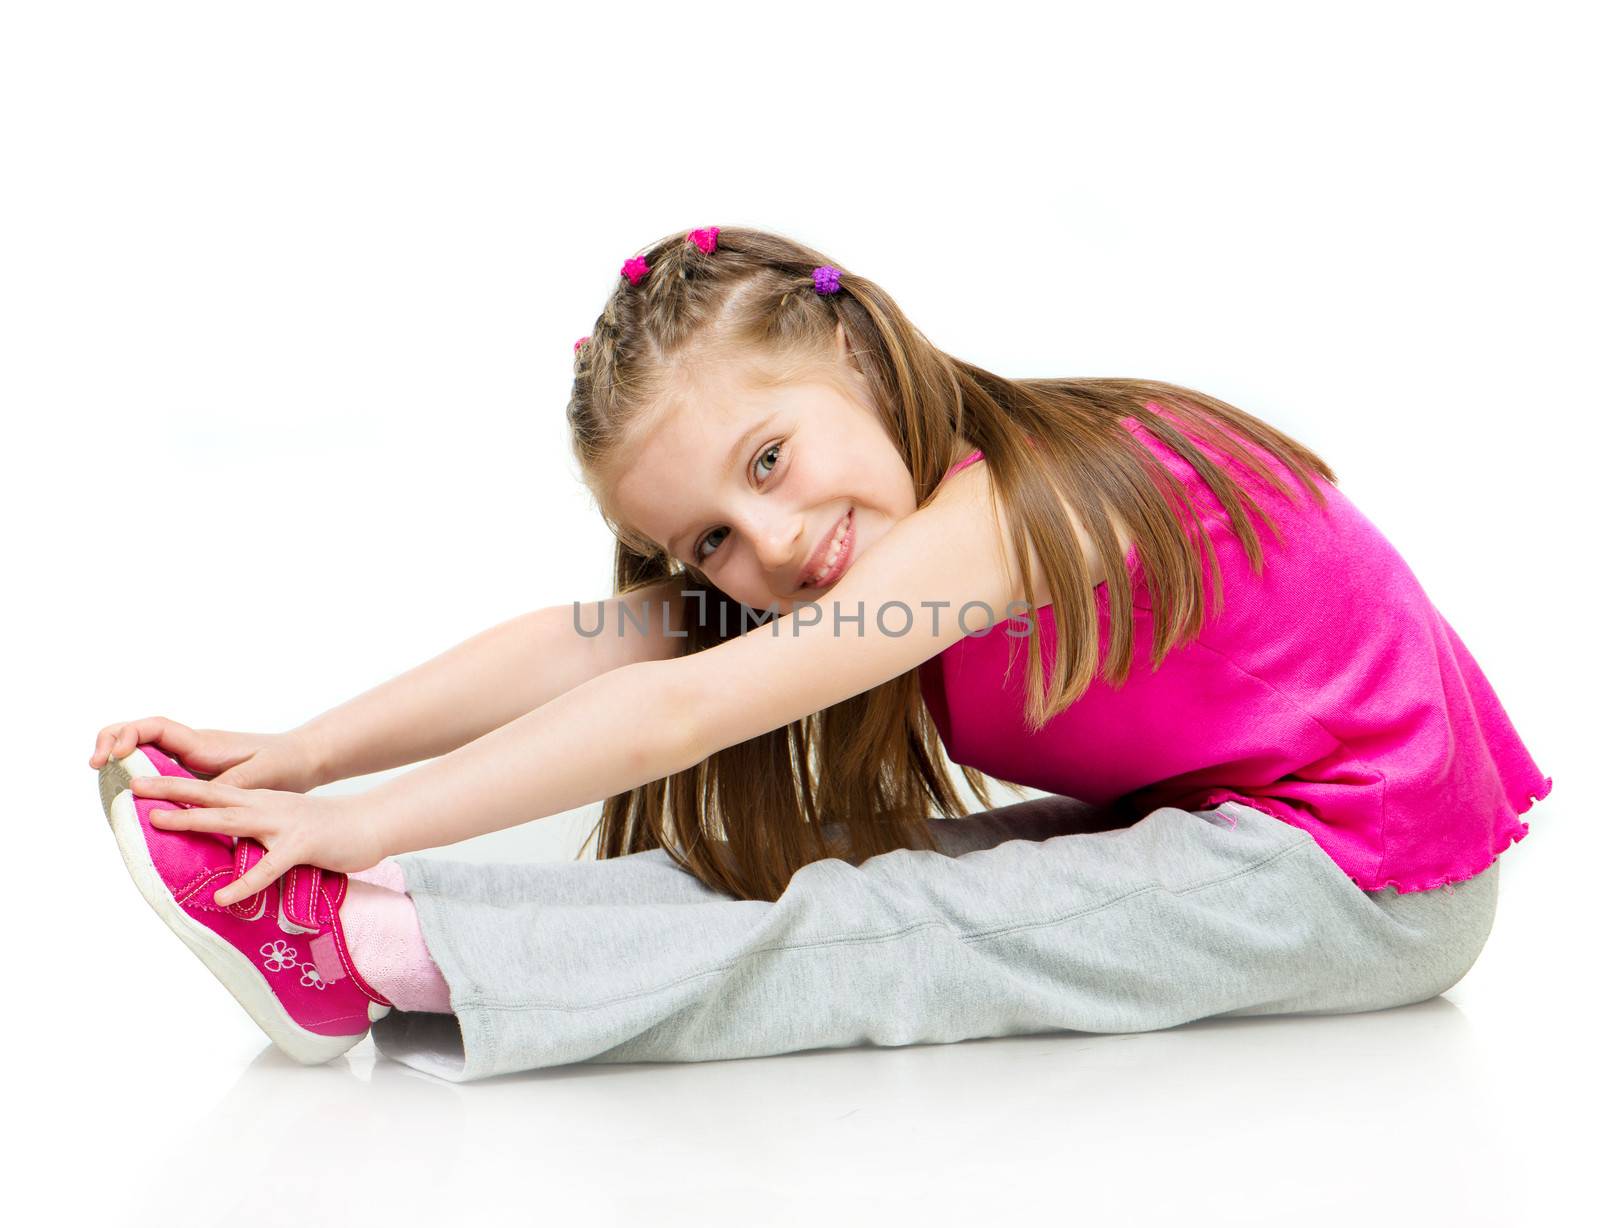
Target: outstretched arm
(650, 719)
(480, 684)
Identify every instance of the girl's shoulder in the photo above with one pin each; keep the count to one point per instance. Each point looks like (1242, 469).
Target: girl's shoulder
(968, 481)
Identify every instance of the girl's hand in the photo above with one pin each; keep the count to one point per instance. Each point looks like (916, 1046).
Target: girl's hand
(245, 760)
(336, 833)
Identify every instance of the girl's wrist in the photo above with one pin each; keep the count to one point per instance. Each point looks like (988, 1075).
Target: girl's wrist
(365, 816)
(379, 811)
(316, 760)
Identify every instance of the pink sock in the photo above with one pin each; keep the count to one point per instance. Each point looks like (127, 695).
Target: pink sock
(387, 873)
(385, 940)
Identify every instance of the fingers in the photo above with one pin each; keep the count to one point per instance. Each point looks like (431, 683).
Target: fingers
(213, 807)
(210, 806)
(187, 789)
(117, 741)
(273, 865)
(104, 744)
(223, 819)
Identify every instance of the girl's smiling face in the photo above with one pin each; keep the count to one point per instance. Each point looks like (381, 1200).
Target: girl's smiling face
(758, 487)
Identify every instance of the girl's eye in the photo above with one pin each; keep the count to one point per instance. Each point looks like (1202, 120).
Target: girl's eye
(699, 557)
(777, 447)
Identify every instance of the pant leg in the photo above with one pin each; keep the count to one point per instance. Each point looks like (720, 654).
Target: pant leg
(1009, 931)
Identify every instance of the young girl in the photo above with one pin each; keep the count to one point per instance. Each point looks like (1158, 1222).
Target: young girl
(1282, 791)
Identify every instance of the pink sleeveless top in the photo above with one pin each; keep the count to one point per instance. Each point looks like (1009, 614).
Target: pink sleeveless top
(1330, 693)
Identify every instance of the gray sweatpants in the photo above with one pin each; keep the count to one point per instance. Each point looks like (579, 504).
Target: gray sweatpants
(1014, 928)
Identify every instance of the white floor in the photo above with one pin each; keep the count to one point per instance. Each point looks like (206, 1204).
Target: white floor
(151, 1098)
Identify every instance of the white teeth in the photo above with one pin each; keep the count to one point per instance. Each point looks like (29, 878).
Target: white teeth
(834, 547)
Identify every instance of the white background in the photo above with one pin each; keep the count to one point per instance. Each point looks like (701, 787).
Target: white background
(287, 302)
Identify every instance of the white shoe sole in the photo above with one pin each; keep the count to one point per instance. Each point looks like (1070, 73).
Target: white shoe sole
(227, 963)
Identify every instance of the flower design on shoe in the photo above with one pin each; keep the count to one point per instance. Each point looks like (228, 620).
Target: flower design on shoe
(279, 955)
(311, 978)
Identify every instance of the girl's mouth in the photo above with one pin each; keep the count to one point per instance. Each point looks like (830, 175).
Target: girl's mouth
(840, 549)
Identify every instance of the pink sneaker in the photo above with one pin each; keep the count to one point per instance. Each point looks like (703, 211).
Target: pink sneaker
(281, 952)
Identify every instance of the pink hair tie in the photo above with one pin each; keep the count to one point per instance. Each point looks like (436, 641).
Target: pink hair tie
(578, 344)
(825, 279)
(705, 238)
(634, 269)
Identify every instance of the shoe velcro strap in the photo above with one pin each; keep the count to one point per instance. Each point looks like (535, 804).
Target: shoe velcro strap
(300, 886)
(246, 852)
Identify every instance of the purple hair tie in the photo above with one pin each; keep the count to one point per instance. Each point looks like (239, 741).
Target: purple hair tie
(825, 279)
(705, 238)
(634, 269)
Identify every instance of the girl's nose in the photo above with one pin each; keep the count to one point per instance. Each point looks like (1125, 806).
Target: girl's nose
(779, 541)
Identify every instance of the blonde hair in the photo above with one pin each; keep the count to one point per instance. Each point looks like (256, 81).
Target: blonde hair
(744, 820)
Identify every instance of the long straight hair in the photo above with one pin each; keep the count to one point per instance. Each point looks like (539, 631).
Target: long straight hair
(866, 775)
